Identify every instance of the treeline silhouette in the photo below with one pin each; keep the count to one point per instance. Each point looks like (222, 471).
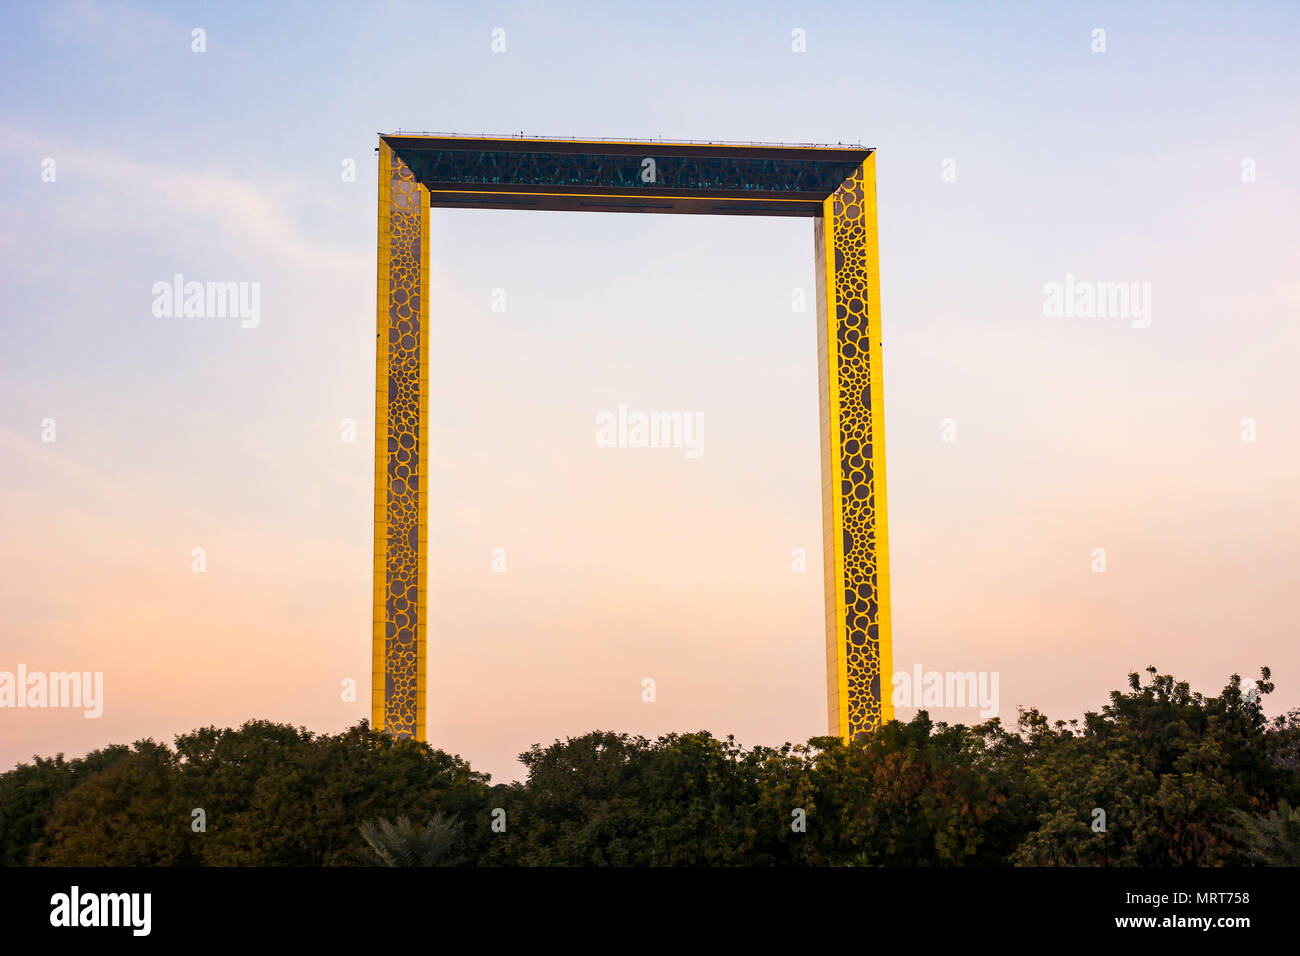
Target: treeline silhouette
(1161, 776)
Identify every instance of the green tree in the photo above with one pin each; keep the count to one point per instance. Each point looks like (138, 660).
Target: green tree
(911, 794)
(28, 794)
(1161, 776)
(276, 795)
(1164, 764)
(612, 799)
(1283, 741)
(404, 844)
(270, 795)
(1271, 840)
(130, 813)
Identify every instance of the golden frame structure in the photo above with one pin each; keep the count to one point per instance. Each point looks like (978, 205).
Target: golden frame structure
(834, 186)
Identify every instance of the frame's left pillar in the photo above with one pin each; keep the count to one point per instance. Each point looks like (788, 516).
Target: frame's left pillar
(401, 608)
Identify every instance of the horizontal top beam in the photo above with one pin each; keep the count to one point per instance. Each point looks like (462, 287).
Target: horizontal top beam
(426, 134)
(626, 175)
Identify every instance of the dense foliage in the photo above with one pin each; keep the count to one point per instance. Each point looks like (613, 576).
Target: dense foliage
(1161, 776)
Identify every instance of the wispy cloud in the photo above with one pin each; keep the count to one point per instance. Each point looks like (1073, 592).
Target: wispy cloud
(252, 219)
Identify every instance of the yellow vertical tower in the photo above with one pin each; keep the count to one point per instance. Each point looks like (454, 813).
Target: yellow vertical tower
(400, 634)
(855, 540)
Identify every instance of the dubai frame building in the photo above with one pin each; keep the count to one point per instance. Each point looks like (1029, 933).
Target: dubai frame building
(833, 186)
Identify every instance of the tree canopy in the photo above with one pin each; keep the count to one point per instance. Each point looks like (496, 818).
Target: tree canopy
(1161, 776)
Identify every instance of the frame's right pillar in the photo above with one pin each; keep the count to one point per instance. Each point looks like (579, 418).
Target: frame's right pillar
(854, 537)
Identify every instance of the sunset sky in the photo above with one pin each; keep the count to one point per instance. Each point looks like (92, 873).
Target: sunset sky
(1169, 159)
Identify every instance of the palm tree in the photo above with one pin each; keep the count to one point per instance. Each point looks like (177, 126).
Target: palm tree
(1273, 840)
(405, 844)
